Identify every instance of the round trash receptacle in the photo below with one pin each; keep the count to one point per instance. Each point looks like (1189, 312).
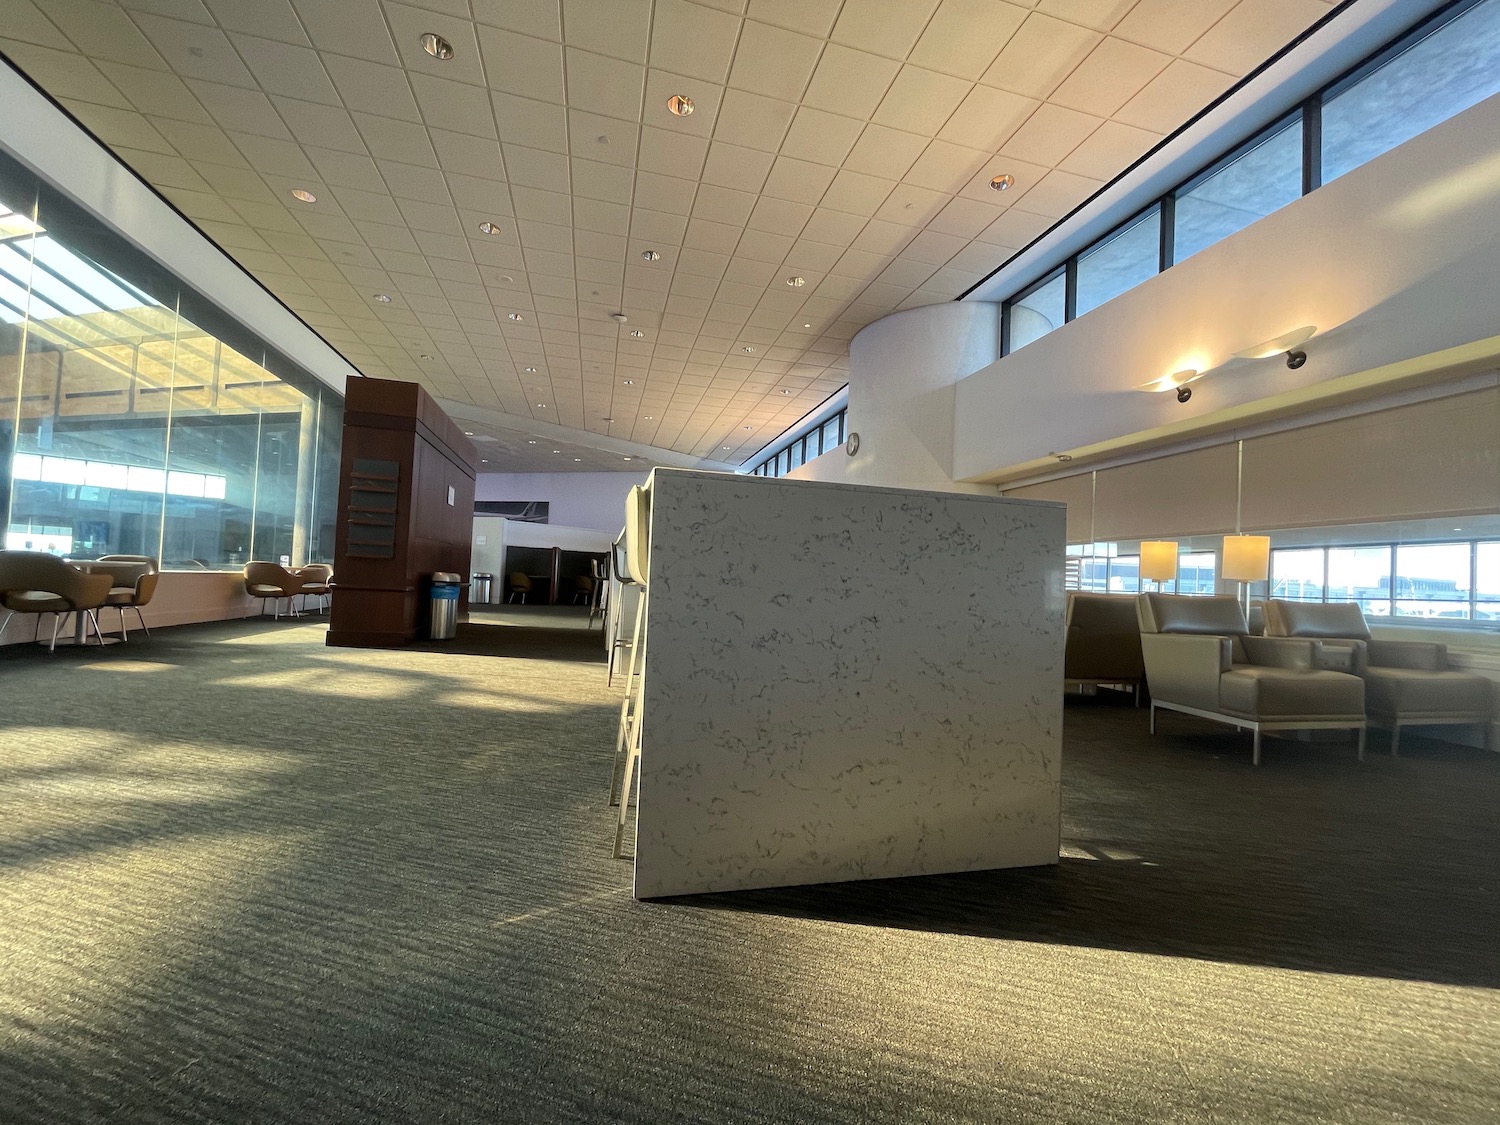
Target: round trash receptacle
(444, 605)
(482, 585)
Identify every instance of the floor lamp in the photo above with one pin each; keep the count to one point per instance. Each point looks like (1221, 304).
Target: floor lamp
(1158, 561)
(1247, 559)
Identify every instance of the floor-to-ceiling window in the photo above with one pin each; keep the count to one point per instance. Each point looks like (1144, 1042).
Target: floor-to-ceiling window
(138, 418)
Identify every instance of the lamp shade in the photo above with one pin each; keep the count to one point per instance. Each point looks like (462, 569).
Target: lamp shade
(1159, 560)
(1247, 558)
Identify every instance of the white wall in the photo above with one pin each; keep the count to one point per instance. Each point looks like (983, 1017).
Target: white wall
(1396, 260)
(902, 371)
(591, 500)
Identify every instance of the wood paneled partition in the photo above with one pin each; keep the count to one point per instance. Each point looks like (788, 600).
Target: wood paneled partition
(406, 510)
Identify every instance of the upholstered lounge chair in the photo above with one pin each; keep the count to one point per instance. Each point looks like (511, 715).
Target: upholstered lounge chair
(1201, 660)
(267, 580)
(135, 578)
(36, 582)
(317, 582)
(1103, 642)
(1407, 683)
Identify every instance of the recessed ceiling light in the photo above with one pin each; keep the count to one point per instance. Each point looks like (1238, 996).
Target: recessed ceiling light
(488, 227)
(531, 441)
(505, 277)
(727, 447)
(304, 195)
(637, 333)
(785, 392)
(606, 418)
(436, 46)
(748, 350)
(541, 406)
(383, 298)
(578, 458)
(680, 104)
(628, 382)
(651, 255)
(468, 433)
(1003, 183)
(517, 317)
(531, 371)
(807, 326)
(483, 461)
(749, 427)
(796, 282)
(648, 417)
(424, 355)
(627, 458)
(557, 451)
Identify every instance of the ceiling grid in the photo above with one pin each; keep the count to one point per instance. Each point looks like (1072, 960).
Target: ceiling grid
(836, 168)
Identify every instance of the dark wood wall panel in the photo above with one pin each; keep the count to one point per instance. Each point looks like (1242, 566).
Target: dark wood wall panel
(382, 602)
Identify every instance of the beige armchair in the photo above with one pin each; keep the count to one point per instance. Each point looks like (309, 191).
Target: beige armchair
(36, 582)
(1201, 660)
(317, 582)
(1103, 644)
(1406, 682)
(134, 580)
(267, 580)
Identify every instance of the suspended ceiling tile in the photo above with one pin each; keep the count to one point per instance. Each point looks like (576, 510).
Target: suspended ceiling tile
(1040, 55)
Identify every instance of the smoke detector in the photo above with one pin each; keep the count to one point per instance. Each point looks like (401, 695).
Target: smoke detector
(618, 318)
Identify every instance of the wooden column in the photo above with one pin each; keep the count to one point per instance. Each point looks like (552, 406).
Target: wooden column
(406, 510)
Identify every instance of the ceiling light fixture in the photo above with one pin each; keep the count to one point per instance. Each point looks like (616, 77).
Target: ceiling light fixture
(541, 406)
(796, 282)
(304, 195)
(606, 418)
(557, 451)
(424, 355)
(628, 382)
(488, 227)
(807, 326)
(517, 317)
(618, 318)
(531, 441)
(747, 350)
(1003, 183)
(786, 392)
(627, 458)
(651, 255)
(648, 417)
(531, 371)
(383, 298)
(436, 46)
(680, 105)
(468, 433)
(578, 458)
(637, 333)
(749, 427)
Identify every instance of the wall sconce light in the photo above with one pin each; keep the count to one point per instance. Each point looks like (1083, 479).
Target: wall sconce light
(1290, 343)
(1159, 561)
(1177, 381)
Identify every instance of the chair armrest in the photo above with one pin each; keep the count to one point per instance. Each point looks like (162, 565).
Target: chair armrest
(1296, 654)
(85, 590)
(1420, 656)
(1341, 656)
(1185, 667)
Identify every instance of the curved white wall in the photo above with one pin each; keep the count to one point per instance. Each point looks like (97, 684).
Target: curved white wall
(902, 372)
(1394, 261)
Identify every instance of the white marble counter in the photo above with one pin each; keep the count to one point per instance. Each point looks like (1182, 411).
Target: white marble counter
(846, 683)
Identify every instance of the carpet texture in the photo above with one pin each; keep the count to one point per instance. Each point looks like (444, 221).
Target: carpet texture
(245, 878)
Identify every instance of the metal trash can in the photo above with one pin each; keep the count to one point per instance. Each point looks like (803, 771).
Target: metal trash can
(482, 585)
(444, 605)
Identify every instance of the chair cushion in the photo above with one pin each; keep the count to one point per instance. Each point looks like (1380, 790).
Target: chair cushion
(121, 595)
(36, 601)
(1180, 613)
(1279, 693)
(1316, 619)
(259, 590)
(1408, 692)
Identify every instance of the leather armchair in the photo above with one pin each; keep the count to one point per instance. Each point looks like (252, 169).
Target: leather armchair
(1406, 682)
(135, 578)
(317, 582)
(36, 582)
(1103, 642)
(1201, 660)
(267, 580)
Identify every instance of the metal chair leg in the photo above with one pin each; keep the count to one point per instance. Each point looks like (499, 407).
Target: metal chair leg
(56, 623)
(9, 614)
(142, 618)
(124, 630)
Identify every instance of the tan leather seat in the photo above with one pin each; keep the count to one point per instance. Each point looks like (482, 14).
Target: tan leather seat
(135, 578)
(36, 582)
(1103, 642)
(1201, 660)
(267, 580)
(317, 582)
(1406, 682)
